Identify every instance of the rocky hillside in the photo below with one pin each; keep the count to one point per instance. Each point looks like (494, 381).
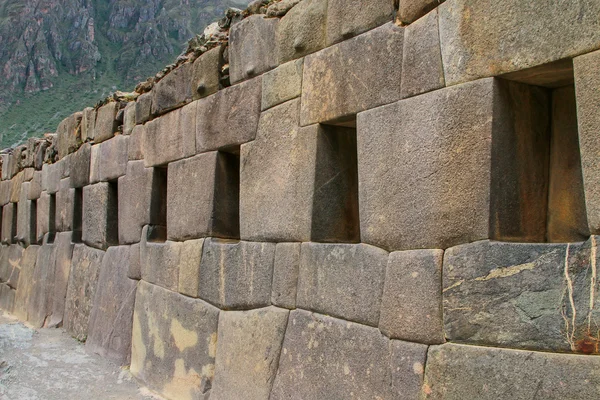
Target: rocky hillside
(56, 54)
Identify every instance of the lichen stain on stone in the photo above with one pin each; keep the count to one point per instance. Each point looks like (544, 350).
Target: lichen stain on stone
(138, 349)
(183, 338)
(418, 368)
(158, 347)
(505, 272)
(212, 345)
(184, 384)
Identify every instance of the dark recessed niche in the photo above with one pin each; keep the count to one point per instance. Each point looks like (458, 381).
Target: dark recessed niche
(158, 205)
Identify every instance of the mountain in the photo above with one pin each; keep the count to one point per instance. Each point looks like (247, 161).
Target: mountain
(58, 55)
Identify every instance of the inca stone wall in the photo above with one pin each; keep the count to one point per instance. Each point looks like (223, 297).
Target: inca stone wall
(331, 199)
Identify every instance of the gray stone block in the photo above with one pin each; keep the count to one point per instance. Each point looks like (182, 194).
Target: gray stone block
(111, 317)
(422, 69)
(5, 187)
(206, 73)
(69, 134)
(63, 244)
(408, 367)
(411, 307)
(42, 285)
(285, 275)
(106, 122)
(248, 351)
(410, 11)
(346, 19)
(356, 359)
(541, 33)
(7, 298)
(342, 280)
(143, 108)
(109, 159)
(189, 267)
(100, 222)
(25, 285)
(172, 91)
(520, 295)
(35, 187)
(83, 279)
(66, 207)
(46, 216)
(302, 30)
(80, 166)
(282, 84)
(9, 222)
(170, 137)
(135, 263)
(236, 275)
(10, 265)
(15, 189)
(51, 176)
(202, 197)
(229, 117)
(457, 372)
(174, 343)
(129, 118)
(88, 123)
(160, 263)
(252, 47)
(136, 143)
(353, 76)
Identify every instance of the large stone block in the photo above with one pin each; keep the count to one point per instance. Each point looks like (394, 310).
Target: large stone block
(236, 275)
(160, 262)
(408, 367)
(410, 11)
(513, 35)
(63, 244)
(100, 215)
(143, 108)
(106, 122)
(5, 187)
(111, 316)
(170, 137)
(456, 372)
(135, 263)
(252, 47)
(411, 307)
(69, 134)
(15, 189)
(463, 188)
(51, 176)
(189, 267)
(587, 82)
(174, 343)
(80, 166)
(353, 76)
(172, 91)
(129, 118)
(109, 159)
(285, 275)
(136, 143)
(356, 359)
(42, 287)
(35, 186)
(206, 73)
(83, 279)
(66, 207)
(282, 84)
(46, 214)
(10, 265)
(229, 117)
(25, 285)
(302, 30)
(422, 69)
(350, 18)
(248, 351)
(9, 222)
(203, 197)
(7, 298)
(88, 122)
(531, 296)
(342, 280)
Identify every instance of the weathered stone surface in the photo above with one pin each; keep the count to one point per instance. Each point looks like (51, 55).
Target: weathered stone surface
(229, 117)
(83, 279)
(143, 108)
(464, 372)
(587, 82)
(51, 176)
(422, 69)
(236, 275)
(206, 73)
(411, 307)
(7, 168)
(88, 123)
(136, 143)
(109, 328)
(25, 285)
(65, 207)
(513, 35)
(129, 118)
(69, 134)
(10, 265)
(410, 11)
(46, 214)
(15, 189)
(252, 47)
(173, 90)
(519, 295)
(9, 222)
(7, 298)
(189, 267)
(170, 137)
(202, 197)
(343, 80)
(106, 122)
(26, 218)
(42, 286)
(5, 187)
(342, 280)
(302, 30)
(174, 343)
(347, 18)
(63, 244)
(276, 178)
(136, 192)
(80, 166)
(109, 159)
(248, 350)
(408, 367)
(135, 263)
(285, 275)
(160, 263)
(356, 358)
(35, 186)
(100, 222)
(282, 84)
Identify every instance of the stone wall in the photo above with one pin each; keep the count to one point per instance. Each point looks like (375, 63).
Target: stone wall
(341, 200)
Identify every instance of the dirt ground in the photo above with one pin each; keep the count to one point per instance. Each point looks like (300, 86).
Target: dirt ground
(47, 364)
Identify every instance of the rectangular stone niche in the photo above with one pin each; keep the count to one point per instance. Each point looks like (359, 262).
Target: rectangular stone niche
(158, 204)
(536, 162)
(335, 202)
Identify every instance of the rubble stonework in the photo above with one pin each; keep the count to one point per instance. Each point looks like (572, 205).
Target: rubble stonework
(331, 199)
